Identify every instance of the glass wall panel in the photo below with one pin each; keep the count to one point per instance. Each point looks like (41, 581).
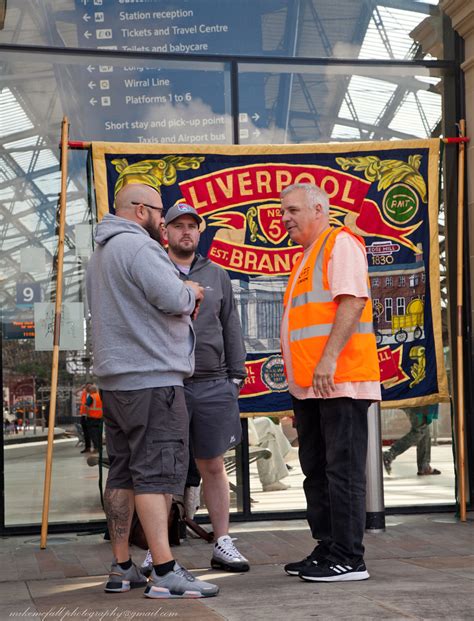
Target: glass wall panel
(118, 100)
(300, 28)
(276, 479)
(27, 317)
(287, 104)
(104, 100)
(125, 94)
(434, 445)
(283, 104)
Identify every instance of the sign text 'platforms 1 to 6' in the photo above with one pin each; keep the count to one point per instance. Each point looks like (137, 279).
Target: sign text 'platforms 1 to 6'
(150, 101)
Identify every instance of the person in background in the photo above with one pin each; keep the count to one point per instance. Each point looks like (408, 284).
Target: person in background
(420, 420)
(8, 419)
(264, 433)
(83, 415)
(143, 346)
(330, 355)
(94, 417)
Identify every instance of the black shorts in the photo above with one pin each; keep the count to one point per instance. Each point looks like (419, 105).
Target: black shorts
(146, 434)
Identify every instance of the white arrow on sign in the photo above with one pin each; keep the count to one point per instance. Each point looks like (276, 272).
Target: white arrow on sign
(86, 17)
(256, 133)
(87, 34)
(92, 84)
(92, 101)
(255, 116)
(90, 68)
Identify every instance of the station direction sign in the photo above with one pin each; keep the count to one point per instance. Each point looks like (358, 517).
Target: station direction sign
(146, 104)
(166, 101)
(192, 27)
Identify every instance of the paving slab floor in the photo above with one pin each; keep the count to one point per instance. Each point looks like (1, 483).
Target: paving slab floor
(422, 567)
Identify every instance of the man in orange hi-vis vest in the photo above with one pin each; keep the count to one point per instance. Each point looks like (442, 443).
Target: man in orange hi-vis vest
(330, 356)
(94, 416)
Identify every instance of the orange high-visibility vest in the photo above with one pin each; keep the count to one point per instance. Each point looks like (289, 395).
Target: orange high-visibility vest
(83, 408)
(95, 410)
(311, 317)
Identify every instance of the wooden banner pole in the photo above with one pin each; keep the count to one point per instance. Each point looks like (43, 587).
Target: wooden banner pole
(56, 334)
(460, 436)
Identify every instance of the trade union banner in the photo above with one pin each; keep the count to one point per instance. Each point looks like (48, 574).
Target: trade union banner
(387, 192)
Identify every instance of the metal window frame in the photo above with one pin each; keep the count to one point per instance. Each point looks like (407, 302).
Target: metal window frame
(452, 111)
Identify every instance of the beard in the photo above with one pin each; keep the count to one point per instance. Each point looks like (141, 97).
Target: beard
(184, 252)
(155, 232)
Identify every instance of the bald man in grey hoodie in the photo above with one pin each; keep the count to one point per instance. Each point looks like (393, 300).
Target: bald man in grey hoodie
(143, 345)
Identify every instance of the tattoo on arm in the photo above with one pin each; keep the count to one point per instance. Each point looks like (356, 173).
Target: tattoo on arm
(118, 510)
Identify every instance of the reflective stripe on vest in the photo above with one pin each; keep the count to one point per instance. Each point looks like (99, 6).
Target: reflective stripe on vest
(317, 293)
(324, 329)
(95, 410)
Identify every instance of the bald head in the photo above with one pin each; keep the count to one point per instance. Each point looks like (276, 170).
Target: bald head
(136, 193)
(143, 205)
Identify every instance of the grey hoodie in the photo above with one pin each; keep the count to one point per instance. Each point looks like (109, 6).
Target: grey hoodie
(141, 328)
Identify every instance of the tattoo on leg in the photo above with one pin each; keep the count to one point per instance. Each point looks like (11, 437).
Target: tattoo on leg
(118, 512)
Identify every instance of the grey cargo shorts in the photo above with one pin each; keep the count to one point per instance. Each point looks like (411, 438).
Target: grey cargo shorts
(146, 435)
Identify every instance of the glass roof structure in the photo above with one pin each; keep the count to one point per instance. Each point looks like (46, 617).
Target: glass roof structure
(329, 103)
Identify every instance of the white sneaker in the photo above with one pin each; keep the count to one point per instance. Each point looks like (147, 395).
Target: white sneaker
(226, 556)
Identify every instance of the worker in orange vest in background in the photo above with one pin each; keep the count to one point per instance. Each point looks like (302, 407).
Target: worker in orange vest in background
(83, 414)
(94, 417)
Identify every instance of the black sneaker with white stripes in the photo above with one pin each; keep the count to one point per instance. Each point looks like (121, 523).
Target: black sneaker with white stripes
(317, 556)
(331, 571)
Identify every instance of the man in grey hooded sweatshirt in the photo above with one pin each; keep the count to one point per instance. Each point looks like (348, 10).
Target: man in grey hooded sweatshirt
(143, 345)
(212, 392)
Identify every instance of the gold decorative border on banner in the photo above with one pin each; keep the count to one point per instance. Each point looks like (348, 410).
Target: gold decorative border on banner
(435, 291)
(101, 149)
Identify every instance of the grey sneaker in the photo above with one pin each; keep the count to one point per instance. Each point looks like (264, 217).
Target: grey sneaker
(178, 583)
(226, 556)
(122, 580)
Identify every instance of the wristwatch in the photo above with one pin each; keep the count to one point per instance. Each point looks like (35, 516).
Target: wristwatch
(238, 381)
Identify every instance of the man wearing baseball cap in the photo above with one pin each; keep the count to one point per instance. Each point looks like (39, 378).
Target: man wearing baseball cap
(212, 392)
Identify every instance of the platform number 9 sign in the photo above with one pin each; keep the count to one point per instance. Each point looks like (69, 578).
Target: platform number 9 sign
(27, 293)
